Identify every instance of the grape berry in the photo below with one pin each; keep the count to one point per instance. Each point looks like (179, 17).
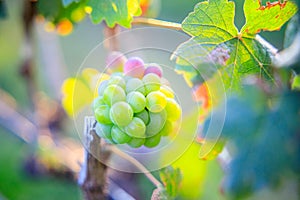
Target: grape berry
(136, 106)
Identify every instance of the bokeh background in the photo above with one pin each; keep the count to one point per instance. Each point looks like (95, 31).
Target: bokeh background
(34, 95)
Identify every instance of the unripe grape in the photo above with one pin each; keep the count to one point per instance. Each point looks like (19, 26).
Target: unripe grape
(154, 68)
(135, 84)
(144, 115)
(115, 61)
(156, 101)
(173, 110)
(104, 130)
(157, 122)
(117, 80)
(167, 91)
(136, 142)
(102, 87)
(98, 102)
(102, 114)
(167, 129)
(113, 94)
(152, 141)
(151, 82)
(136, 128)
(121, 113)
(119, 136)
(134, 67)
(137, 101)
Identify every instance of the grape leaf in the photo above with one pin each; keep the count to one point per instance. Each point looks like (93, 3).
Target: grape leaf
(114, 11)
(269, 17)
(216, 45)
(68, 2)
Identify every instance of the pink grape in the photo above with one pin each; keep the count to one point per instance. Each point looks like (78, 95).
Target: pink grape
(115, 61)
(134, 67)
(154, 68)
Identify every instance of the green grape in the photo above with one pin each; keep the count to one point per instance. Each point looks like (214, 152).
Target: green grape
(113, 94)
(157, 122)
(173, 110)
(102, 87)
(151, 82)
(136, 128)
(152, 141)
(118, 74)
(144, 115)
(102, 114)
(119, 136)
(98, 102)
(167, 129)
(121, 113)
(117, 80)
(156, 101)
(136, 142)
(135, 84)
(167, 91)
(103, 130)
(137, 101)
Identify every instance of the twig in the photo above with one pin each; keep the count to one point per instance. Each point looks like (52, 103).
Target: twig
(177, 26)
(273, 50)
(93, 175)
(136, 163)
(16, 123)
(157, 23)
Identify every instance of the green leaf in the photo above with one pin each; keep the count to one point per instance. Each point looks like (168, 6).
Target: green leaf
(2, 9)
(171, 179)
(216, 45)
(209, 18)
(269, 17)
(55, 11)
(114, 11)
(296, 83)
(68, 2)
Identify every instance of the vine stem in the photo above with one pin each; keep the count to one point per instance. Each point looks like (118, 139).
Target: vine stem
(177, 26)
(156, 23)
(136, 163)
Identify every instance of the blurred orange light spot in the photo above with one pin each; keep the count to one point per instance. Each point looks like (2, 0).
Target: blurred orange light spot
(64, 27)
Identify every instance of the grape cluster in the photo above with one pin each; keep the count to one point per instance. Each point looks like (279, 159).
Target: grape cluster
(135, 106)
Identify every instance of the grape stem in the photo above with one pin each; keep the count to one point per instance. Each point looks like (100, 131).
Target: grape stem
(177, 26)
(136, 163)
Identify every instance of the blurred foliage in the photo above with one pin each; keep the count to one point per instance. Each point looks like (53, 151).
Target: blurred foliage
(114, 11)
(73, 11)
(80, 91)
(16, 184)
(171, 179)
(2, 9)
(266, 141)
